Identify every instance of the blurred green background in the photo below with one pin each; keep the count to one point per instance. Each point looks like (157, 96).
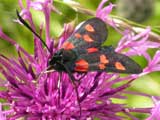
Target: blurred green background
(148, 84)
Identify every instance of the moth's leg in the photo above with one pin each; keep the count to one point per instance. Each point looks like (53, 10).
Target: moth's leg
(72, 78)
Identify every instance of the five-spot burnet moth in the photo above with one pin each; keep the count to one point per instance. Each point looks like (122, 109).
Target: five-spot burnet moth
(82, 52)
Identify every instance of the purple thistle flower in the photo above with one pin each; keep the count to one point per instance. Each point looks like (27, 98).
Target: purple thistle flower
(2, 114)
(155, 111)
(34, 95)
(103, 12)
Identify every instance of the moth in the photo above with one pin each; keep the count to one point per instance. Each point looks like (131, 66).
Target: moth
(82, 52)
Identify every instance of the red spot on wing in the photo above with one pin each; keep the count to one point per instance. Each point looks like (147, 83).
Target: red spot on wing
(119, 66)
(77, 35)
(87, 38)
(103, 62)
(68, 45)
(103, 59)
(101, 66)
(89, 28)
(92, 50)
(81, 65)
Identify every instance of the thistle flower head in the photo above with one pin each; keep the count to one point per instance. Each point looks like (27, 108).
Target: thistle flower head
(52, 95)
(155, 110)
(2, 114)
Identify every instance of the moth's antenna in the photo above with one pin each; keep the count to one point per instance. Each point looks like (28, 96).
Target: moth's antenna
(27, 26)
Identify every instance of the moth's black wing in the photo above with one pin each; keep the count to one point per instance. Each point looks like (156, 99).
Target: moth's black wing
(106, 60)
(91, 33)
(86, 42)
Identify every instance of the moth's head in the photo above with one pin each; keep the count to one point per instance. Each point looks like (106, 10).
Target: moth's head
(56, 61)
(60, 59)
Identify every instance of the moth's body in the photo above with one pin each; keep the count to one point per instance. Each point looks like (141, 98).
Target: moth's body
(82, 52)
(82, 63)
